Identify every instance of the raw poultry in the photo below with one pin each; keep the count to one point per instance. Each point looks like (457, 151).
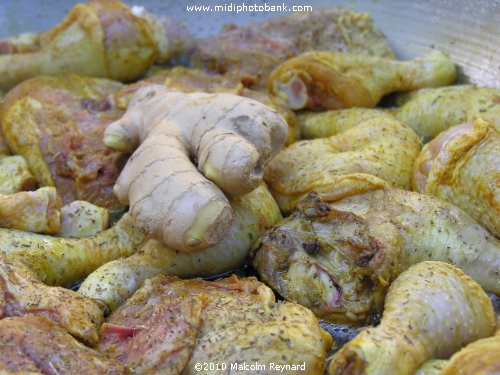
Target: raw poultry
(461, 166)
(374, 154)
(334, 80)
(34, 344)
(251, 52)
(115, 281)
(99, 38)
(339, 259)
(169, 325)
(46, 119)
(431, 311)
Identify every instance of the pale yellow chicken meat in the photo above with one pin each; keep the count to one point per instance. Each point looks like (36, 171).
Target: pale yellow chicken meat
(430, 311)
(462, 166)
(81, 219)
(377, 153)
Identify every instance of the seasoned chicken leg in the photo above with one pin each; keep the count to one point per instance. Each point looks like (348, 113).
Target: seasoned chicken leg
(100, 38)
(251, 52)
(21, 293)
(431, 111)
(339, 259)
(115, 281)
(36, 211)
(430, 311)
(169, 325)
(35, 345)
(377, 153)
(81, 219)
(327, 123)
(334, 80)
(65, 261)
(462, 166)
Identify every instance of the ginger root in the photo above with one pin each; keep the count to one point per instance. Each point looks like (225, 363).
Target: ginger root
(229, 138)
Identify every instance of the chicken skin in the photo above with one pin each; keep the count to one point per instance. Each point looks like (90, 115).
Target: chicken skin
(433, 110)
(251, 52)
(34, 344)
(334, 80)
(339, 259)
(169, 325)
(478, 358)
(57, 125)
(15, 175)
(21, 292)
(462, 166)
(377, 153)
(430, 311)
(98, 38)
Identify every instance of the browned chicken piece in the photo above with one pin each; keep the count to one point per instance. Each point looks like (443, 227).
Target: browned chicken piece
(251, 52)
(433, 110)
(36, 211)
(339, 259)
(15, 175)
(4, 148)
(100, 38)
(482, 357)
(57, 125)
(195, 80)
(334, 80)
(374, 154)
(431, 310)
(34, 344)
(22, 293)
(169, 325)
(462, 166)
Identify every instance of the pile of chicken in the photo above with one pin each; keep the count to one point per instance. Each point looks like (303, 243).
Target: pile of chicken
(137, 159)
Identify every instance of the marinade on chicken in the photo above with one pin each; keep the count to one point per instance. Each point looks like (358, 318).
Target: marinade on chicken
(112, 283)
(21, 292)
(251, 52)
(431, 311)
(433, 110)
(376, 153)
(462, 166)
(15, 175)
(57, 125)
(335, 80)
(34, 344)
(339, 259)
(98, 38)
(169, 325)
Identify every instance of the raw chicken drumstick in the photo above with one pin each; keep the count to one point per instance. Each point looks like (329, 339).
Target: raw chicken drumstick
(114, 282)
(431, 310)
(100, 38)
(333, 80)
(229, 138)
